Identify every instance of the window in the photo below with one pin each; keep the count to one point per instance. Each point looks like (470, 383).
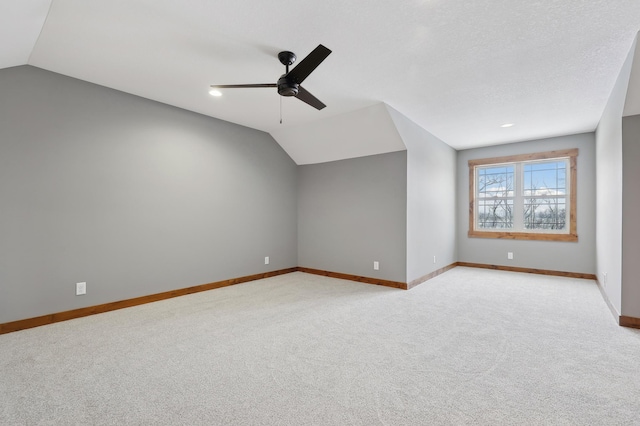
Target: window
(524, 197)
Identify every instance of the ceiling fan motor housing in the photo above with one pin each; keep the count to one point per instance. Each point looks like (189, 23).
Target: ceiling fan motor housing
(287, 87)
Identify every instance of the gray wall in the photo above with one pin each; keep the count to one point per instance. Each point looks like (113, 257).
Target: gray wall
(431, 199)
(630, 209)
(132, 196)
(609, 188)
(352, 213)
(550, 255)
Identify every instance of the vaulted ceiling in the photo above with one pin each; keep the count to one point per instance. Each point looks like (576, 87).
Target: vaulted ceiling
(459, 69)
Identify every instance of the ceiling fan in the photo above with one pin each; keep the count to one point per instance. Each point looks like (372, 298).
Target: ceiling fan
(289, 83)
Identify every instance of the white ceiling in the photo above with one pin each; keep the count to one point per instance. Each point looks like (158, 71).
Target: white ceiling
(367, 131)
(20, 25)
(457, 68)
(632, 100)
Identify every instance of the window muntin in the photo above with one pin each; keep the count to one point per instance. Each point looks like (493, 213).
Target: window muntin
(531, 196)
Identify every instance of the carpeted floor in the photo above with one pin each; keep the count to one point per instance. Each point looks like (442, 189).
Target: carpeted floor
(471, 346)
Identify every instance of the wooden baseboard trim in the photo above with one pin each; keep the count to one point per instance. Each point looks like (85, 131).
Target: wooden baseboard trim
(529, 270)
(427, 277)
(629, 321)
(366, 280)
(112, 306)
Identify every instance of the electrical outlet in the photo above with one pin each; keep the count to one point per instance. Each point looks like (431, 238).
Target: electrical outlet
(81, 288)
(434, 259)
(604, 279)
(510, 255)
(376, 265)
(266, 260)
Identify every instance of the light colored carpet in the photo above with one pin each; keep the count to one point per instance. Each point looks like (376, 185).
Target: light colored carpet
(471, 346)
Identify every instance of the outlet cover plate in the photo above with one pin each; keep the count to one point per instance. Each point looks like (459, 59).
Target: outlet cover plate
(81, 288)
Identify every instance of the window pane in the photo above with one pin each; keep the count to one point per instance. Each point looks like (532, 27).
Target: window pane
(545, 178)
(545, 213)
(524, 196)
(496, 181)
(495, 214)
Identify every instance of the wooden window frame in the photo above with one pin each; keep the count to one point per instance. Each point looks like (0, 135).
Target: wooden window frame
(572, 235)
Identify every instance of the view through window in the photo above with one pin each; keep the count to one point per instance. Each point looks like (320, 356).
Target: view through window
(531, 196)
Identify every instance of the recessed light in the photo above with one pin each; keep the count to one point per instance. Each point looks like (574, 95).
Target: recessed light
(508, 125)
(214, 92)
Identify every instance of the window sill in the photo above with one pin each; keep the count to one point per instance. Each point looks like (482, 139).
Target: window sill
(523, 236)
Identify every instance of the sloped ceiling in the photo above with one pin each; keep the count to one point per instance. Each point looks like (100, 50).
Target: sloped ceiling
(632, 100)
(459, 69)
(367, 131)
(20, 24)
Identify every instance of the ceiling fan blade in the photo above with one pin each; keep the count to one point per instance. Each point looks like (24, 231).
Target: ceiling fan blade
(308, 98)
(241, 86)
(308, 64)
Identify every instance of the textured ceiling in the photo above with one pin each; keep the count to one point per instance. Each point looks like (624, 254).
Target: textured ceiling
(367, 131)
(457, 68)
(632, 101)
(20, 25)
